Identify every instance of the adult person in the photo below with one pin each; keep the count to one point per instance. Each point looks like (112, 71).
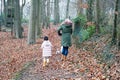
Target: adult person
(65, 31)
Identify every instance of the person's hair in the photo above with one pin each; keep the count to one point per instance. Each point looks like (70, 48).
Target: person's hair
(68, 21)
(45, 38)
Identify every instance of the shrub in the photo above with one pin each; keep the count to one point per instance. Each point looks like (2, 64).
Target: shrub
(80, 19)
(84, 35)
(90, 30)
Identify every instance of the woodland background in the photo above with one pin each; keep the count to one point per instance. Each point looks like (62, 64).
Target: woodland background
(94, 54)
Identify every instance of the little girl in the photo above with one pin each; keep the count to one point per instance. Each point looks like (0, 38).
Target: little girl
(47, 47)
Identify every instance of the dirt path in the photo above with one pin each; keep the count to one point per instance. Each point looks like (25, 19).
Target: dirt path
(54, 71)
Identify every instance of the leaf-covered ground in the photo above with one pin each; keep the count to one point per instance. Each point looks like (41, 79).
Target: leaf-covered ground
(81, 64)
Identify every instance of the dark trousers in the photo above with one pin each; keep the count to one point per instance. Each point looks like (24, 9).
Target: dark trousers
(65, 51)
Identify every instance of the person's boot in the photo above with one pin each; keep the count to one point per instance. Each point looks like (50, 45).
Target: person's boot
(47, 62)
(62, 57)
(65, 57)
(44, 62)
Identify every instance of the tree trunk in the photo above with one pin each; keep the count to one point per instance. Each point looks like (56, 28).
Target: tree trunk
(23, 4)
(38, 23)
(90, 10)
(48, 14)
(119, 41)
(67, 9)
(119, 27)
(10, 15)
(56, 12)
(97, 16)
(39, 30)
(18, 28)
(114, 37)
(58, 15)
(1, 17)
(32, 22)
(79, 7)
(43, 13)
(5, 11)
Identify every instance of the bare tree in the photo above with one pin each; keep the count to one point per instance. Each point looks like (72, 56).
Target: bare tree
(114, 37)
(32, 22)
(97, 16)
(48, 14)
(56, 12)
(5, 11)
(1, 16)
(90, 10)
(43, 7)
(34, 30)
(79, 6)
(119, 26)
(23, 4)
(67, 9)
(38, 21)
(18, 28)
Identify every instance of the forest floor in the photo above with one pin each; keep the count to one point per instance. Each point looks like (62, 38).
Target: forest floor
(20, 61)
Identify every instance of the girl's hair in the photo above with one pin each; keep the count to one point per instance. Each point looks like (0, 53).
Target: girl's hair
(45, 38)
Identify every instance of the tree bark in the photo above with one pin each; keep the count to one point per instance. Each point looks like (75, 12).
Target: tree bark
(90, 10)
(114, 37)
(118, 26)
(79, 7)
(43, 13)
(67, 9)
(32, 22)
(48, 14)
(38, 21)
(18, 27)
(97, 16)
(56, 12)
(1, 17)
(5, 11)
(23, 4)
(39, 31)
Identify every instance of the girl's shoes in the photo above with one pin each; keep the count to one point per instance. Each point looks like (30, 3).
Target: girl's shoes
(45, 62)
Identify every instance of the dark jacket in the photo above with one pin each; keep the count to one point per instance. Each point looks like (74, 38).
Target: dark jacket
(66, 31)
